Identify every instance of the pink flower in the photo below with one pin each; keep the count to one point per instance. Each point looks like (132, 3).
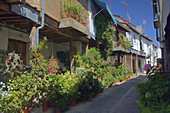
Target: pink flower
(58, 67)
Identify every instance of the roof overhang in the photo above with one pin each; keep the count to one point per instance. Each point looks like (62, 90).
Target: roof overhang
(106, 11)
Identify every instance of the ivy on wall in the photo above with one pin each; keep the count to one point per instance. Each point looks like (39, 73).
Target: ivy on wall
(105, 34)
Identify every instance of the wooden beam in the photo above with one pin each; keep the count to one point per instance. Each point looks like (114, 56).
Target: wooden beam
(4, 6)
(50, 33)
(15, 20)
(9, 17)
(14, 1)
(17, 23)
(58, 38)
(5, 12)
(61, 41)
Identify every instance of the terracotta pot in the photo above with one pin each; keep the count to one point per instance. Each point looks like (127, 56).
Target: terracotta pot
(84, 24)
(90, 97)
(68, 15)
(26, 110)
(72, 102)
(45, 106)
(118, 80)
(75, 17)
(113, 83)
(58, 110)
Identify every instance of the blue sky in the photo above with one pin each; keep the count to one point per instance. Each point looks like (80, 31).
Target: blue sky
(138, 11)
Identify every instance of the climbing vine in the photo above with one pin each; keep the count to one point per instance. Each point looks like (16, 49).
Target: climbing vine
(105, 34)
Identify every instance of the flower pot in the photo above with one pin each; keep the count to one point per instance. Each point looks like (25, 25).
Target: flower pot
(75, 17)
(118, 80)
(58, 110)
(84, 24)
(113, 83)
(90, 97)
(45, 106)
(72, 102)
(129, 77)
(25, 110)
(68, 15)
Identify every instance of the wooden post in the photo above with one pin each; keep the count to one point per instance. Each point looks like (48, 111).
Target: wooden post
(136, 57)
(87, 48)
(118, 60)
(131, 62)
(125, 61)
(31, 44)
(32, 38)
(71, 56)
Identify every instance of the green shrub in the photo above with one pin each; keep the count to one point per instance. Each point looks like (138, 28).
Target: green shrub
(155, 94)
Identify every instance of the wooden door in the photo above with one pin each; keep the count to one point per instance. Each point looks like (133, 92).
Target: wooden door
(19, 47)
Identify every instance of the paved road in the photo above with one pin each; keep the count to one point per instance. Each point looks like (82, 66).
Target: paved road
(120, 98)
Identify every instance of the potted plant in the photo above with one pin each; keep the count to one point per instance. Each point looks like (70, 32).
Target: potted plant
(79, 11)
(91, 94)
(25, 110)
(58, 110)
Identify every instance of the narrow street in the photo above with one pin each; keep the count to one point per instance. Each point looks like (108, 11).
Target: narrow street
(120, 98)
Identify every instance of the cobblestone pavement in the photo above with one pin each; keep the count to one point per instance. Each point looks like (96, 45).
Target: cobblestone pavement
(120, 98)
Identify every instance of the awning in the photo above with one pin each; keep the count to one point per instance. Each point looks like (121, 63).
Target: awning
(106, 9)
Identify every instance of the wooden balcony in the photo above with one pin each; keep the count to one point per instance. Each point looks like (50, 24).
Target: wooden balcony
(120, 48)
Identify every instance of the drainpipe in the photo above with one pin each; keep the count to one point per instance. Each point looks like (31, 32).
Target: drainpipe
(42, 22)
(37, 40)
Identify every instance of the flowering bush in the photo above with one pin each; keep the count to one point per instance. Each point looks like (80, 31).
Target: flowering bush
(53, 66)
